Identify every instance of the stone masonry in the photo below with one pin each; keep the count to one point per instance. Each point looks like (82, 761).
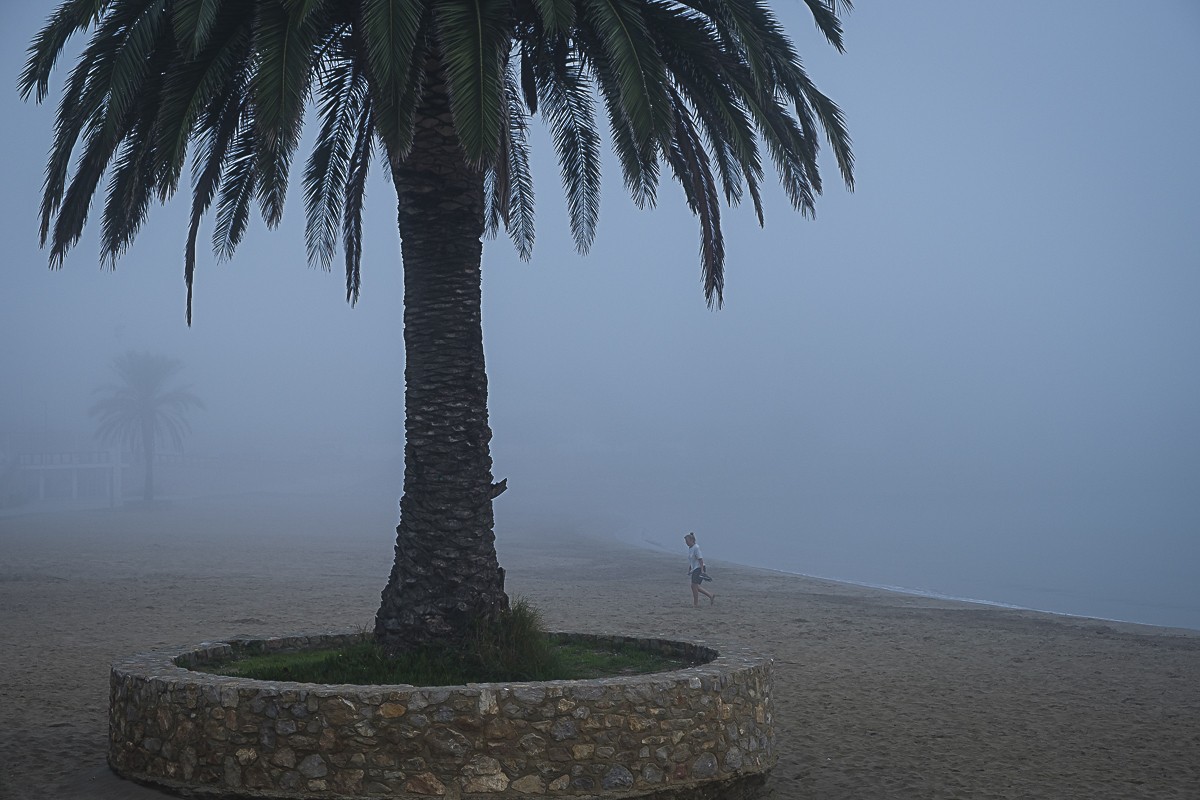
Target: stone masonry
(703, 731)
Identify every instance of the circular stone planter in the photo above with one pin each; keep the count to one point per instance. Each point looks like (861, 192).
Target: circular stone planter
(700, 732)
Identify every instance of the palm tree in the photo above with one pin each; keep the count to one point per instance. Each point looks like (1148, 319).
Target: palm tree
(442, 91)
(141, 410)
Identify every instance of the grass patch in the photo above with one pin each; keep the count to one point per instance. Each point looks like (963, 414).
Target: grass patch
(515, 648)
(584, 659)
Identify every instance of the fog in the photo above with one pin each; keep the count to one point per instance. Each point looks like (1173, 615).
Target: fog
(977, 375)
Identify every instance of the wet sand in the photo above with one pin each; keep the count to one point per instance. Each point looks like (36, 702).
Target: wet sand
(877, 695)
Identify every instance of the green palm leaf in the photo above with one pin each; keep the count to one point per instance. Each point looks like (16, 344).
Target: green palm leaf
(833, 121)
(191, 86)
(343, 92)
(83, 112)
(356, 191)
(194, 21)
(690, 164)
(473, 40)
(131, 68)
(284, 48)
(638, 157)
(513, 199)
(623, 49)
(394, 36)
(557, 16)
(571, 115)
(700, 70)
(825, 14)
(216, 133)
(70, 18)
(237, 187)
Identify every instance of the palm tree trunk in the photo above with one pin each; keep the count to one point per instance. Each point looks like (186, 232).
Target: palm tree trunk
(446, 576)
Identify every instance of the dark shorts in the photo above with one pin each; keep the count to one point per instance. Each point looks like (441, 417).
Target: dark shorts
(696, 576)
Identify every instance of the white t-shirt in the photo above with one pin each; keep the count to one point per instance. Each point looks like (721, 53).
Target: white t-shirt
(694, 556)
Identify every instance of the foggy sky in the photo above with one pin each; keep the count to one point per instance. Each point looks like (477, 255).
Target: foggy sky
(988, 352)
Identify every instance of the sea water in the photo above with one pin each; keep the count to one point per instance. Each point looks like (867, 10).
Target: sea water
(1106, 558)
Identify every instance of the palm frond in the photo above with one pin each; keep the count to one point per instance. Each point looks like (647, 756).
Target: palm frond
(237, 187)
(70, 18)
(192, 86)
(302, 10)
(473, 42)
(689, 161)
(132, 67)
(130, 189)
(638, 158)
(557, 16)
(623, 49)
(73, 213)
(69, 123)
(356, 190)
(394, 45)
(517, 198)
(219, 127)
(825, 14)
(284, 49)
(793, 153)
(528, 56)
(134, 176)
(342, 91)
(84, 111)
(194, 21)
(771, 55)
(571, 115)
(834, 122)
(700, 69)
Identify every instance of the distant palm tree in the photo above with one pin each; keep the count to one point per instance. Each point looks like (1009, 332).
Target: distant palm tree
(443, 91)
(141, 410)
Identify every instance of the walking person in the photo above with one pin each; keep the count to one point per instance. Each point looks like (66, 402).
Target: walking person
(696, 571)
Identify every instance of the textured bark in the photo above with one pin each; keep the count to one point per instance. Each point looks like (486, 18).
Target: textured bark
(446, 576)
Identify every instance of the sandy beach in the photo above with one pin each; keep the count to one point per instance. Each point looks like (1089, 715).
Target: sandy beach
(878, 695)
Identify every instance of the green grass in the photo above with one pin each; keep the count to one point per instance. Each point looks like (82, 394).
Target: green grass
(515, 648)
(584, 659)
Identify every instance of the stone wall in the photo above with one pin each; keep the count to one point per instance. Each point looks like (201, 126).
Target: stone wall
(704, 731)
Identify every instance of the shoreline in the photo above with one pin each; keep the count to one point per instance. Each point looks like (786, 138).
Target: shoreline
(932, 595)
(657, 547)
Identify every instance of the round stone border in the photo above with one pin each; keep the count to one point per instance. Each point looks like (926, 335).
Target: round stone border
(700, 732)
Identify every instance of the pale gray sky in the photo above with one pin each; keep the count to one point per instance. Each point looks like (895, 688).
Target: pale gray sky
(988, 352)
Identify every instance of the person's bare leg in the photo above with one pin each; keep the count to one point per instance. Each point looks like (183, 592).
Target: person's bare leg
(710, 595)
(696, 590)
